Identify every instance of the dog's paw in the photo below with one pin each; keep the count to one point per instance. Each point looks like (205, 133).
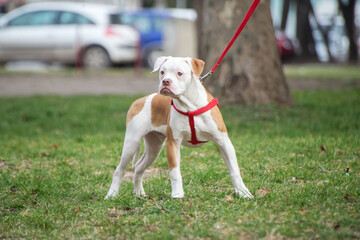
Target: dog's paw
(244, 193)
(177, 195)
(140, 192)
(110, 194)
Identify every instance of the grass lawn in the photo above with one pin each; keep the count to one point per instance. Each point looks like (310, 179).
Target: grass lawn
(57, 156)
(323, 71)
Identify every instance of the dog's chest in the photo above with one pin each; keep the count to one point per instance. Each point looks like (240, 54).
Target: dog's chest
(181, 128)
(162, 113)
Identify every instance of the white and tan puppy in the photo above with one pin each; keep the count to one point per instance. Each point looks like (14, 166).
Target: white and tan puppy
(154, 119)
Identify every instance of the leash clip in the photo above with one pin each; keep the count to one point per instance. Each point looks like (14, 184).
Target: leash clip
(205, 76)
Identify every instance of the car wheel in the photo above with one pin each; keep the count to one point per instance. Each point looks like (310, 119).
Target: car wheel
(96, 57)
(2, 64)
(151, 56)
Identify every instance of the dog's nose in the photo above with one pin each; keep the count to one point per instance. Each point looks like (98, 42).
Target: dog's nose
(166, 82)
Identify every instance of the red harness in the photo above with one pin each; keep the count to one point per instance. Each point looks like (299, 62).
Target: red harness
(191, 115)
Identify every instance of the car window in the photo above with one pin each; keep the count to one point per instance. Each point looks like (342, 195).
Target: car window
(158, 24)
(142, 24)
(115, 19)
(35, 18)
(73, 18)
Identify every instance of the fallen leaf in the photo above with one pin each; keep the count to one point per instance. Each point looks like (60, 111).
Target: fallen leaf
(13, 189)
(44, 154)
(54, 145)
(4, 164)
(303, 211)
(76, 209)
(263, 191)
(336, 226)
(152, 172)
(117, 213)
(229, 198)
(149, 227)
(293, 179)
(310, 230)
(322, 148)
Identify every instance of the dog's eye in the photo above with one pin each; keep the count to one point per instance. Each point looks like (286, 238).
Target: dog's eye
(162, 72)
(180, 74)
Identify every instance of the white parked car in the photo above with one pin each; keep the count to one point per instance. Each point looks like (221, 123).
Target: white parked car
(67, 32)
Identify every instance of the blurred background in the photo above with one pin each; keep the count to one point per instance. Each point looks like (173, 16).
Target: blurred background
(100, 34)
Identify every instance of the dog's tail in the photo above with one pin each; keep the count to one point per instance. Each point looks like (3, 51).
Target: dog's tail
(136, 156)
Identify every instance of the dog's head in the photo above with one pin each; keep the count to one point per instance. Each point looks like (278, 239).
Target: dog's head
(176, 74)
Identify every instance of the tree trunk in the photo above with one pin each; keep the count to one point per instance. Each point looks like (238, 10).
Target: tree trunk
(285, 13)
(348, 11)
(251, 72)
(304, 31)
(324, 33)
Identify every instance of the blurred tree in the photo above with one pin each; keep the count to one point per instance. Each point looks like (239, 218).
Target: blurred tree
(348, 11)
(304, 30)
(251, 72)
(285, 13)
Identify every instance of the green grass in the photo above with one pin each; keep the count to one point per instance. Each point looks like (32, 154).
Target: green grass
(58, 154)
(324, 72)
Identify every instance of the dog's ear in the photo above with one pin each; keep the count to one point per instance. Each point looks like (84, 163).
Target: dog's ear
(197, 65)
(159, 61)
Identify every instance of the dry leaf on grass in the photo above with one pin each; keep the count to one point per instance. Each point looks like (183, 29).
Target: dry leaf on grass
(117, 213)
(4, 164)
(44, 154)
(293, 179)
(263, 191)
(152, 172)
(229, 198)
(52, 146)
(303, 211)
(322, 148)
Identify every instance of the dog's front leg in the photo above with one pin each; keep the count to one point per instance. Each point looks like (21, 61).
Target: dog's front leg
(228, 152)
(173, 156)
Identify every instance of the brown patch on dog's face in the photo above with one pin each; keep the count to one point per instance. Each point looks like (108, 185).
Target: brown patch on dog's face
(216, 115)
(160, 109)
(135, 108)
(171, 149)
(197, 66)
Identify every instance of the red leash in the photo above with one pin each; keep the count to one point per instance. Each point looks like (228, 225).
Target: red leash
(238, 31)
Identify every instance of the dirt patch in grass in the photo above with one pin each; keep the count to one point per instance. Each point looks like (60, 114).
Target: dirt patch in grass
(149, 173)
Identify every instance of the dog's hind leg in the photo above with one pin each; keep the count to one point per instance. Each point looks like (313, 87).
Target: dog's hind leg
(154, 142)
(130, 149)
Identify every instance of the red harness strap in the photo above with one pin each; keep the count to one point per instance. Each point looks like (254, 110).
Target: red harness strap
(191, 115)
